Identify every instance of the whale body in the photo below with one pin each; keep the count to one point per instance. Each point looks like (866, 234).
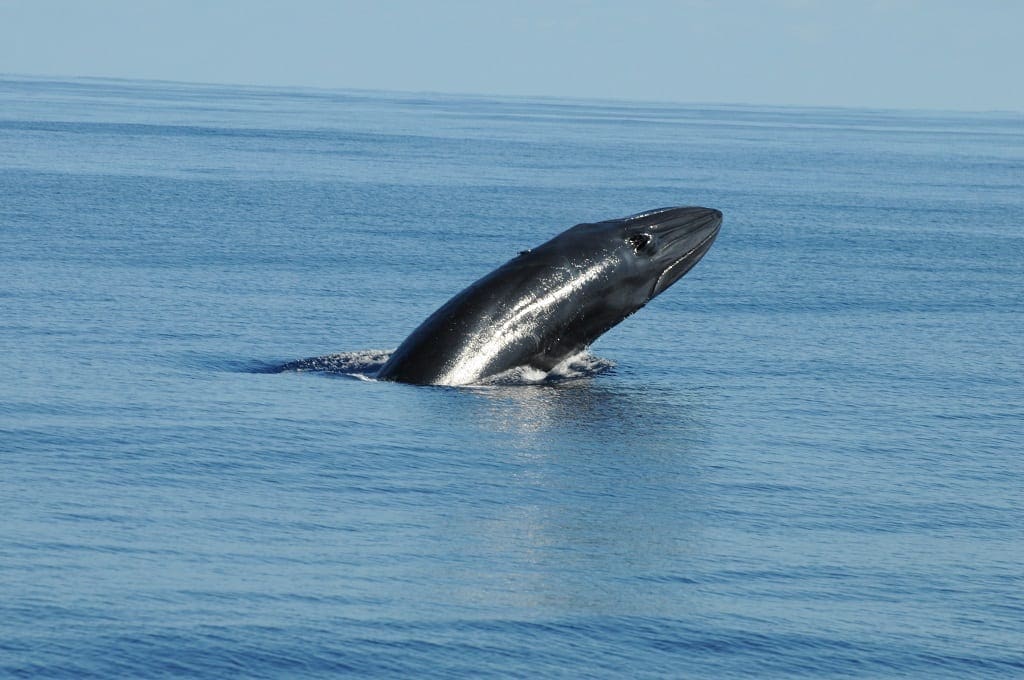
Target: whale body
(553, 301)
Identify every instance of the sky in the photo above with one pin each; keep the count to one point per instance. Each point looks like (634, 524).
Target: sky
(918, 54)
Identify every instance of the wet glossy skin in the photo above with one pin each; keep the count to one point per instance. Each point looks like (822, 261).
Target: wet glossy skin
(549, 303)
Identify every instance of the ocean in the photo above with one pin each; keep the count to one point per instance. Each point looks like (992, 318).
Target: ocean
(802, 460)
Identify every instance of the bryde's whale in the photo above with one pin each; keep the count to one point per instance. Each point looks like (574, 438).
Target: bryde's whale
(550, 303)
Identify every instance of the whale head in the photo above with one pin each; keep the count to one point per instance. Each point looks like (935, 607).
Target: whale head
(638, 258)
(657, 247)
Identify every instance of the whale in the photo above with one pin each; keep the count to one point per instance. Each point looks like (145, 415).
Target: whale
(551, 302)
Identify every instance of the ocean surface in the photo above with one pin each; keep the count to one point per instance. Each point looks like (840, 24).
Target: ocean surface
(806, 459)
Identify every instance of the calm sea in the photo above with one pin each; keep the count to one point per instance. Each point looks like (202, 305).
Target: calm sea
(805, 461)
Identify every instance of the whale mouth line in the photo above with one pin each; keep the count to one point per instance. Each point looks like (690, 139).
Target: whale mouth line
(703, 246)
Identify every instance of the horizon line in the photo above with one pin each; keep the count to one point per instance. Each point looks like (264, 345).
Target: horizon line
(497, 95)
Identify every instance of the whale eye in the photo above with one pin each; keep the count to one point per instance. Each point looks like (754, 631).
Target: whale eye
(640, 242)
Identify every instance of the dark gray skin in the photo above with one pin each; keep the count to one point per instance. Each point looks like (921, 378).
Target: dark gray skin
(551, 302)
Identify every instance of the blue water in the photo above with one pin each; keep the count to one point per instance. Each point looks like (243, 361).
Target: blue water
(805, 459)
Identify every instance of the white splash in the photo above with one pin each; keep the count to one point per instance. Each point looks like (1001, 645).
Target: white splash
(578, 366)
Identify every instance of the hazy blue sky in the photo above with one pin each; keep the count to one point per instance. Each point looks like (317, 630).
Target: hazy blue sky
(965, 54)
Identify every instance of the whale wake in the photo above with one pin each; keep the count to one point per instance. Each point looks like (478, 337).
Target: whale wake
(365, 364)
